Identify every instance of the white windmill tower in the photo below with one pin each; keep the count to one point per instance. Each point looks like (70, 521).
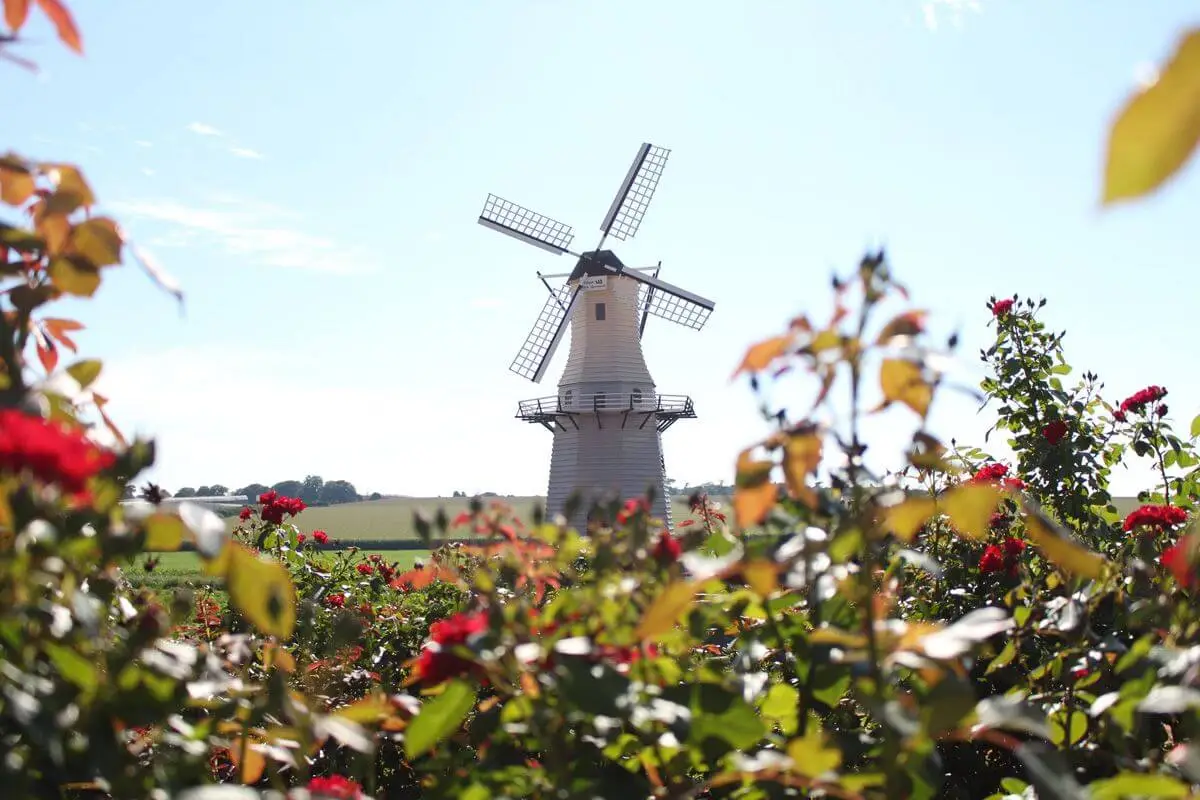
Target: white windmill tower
(608, 417)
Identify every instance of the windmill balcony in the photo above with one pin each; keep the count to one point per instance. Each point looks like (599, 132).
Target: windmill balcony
(631, 408)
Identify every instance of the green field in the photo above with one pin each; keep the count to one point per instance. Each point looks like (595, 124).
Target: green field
(178, 569)
(393, 518)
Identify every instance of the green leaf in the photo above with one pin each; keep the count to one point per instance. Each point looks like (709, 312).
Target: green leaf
(74, 275)
(830, 683)
(164, 532)
(438, 718)
(720, 714)
(98, 241)
(74, 667)
(85, 372)
(1195, 426)
(1132, 784)
(779, 705)
(811, 755)
(263, 591)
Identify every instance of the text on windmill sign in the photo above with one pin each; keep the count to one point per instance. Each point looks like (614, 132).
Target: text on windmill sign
(591, 282)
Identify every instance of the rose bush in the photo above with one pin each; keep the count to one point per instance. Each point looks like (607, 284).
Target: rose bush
(958, 626)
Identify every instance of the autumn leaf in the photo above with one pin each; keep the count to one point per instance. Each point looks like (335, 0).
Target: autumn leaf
(74, 276)
(47, 353)
(666, 609)
(64, 24)
(901, 381)
(754, 493)
(58, 328)
(97, 240)
(262, 590)
(970, 508)
(16, 184)
(55, 231)
(761, 355)
(71, 190)
(250, 770)
(1059, 547)
(1157, 131)
(761, 575)
(801, 458)
(15, 14)
(906, 518)
(421, 577)
(910, 323)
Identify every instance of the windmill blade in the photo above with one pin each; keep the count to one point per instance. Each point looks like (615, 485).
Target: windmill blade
(534, 356)
(645, 295)
(527, 226)
(629, 206)
(668, 301)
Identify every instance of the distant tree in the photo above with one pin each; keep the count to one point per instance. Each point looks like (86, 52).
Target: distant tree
(310, 489)
(670, 487)
(203, 491)
(289, 488)
(338, 492)
(376, 496)
(218, 488)
(130, 492)
(186, 491)
(252, 491)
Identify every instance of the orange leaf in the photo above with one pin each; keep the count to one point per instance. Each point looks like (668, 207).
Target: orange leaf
(252, 770)
(801, 457)
(754, 494)
(760, 356)
(902, 380)
(57, 328)
(16, 185)
(47, 353)
(64, 24)
(422, 577)
(909, 323)
(15, 13)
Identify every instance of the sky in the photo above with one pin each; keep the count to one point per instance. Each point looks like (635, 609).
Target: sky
(311, 173)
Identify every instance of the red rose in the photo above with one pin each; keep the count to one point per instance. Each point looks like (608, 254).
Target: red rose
(245, 514)
(336, 600)
(992, 559)
(365, 569)
(300, 538)
(1175, 559)
(49, 451)
(1155, 518)
(667, 550)
(320, 537)
(437, 662)
(632, 508)
(1138, 401)
(1054, 431)
(996, 473)
(1002, 307)
(335, 787)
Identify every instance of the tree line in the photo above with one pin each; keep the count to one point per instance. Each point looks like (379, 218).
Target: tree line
(313, 490)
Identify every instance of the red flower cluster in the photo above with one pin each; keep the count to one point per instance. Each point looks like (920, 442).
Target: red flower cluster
(300, 537)
(1054, 431)
(335, 787)
(1175, 559)
(1002, 307)
(1138, 401)
(1003, 557)
(320, 537)
(633, 507)
(245, 514)
(275, 507)
(53, 453)
(1155, 518)
(997, 473)
(436, 662)
(365, 569)
(336, 600)
(667, 549)
(622, 657)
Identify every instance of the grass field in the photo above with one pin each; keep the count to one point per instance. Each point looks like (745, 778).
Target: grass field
(179, 569)
(393, 518)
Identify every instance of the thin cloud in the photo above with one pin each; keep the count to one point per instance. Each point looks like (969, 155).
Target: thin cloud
(245, 152)
(251, 231)
(933, 11)
(203, 129)
(144, 143)
(147, 171)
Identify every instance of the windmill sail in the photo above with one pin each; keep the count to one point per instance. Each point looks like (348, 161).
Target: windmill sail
(633, 198)
(534, 356)
(668, 301)
(525, 225)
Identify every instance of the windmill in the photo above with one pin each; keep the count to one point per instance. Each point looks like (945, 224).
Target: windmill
(608, 417)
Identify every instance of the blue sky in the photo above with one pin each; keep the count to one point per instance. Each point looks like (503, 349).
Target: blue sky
(311, 173)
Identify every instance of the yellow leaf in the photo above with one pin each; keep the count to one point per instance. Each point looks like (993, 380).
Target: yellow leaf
(761, 575)
(71, 190)
(761, 355)
(98, 241)
(251, 771)
(666, 609)
(901, 381)
(85, 372)
(801, 458)
(16, 185)
(55, 230)
(906, 518)
(754, 493)
(263, 591)
(74, 276)
(827, 339)
(164, 532)
(811, 754)
(838, 637)
(970, 508)
(367, 710)
(1158, 129)
(1060, 548)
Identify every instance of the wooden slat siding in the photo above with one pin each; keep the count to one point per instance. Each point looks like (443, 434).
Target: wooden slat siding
(606, 356)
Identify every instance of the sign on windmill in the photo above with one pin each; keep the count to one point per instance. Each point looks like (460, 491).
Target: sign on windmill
(608, 417)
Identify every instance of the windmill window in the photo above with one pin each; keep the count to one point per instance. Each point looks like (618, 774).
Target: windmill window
(568, 398)
(637, 397)
(600, 311)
